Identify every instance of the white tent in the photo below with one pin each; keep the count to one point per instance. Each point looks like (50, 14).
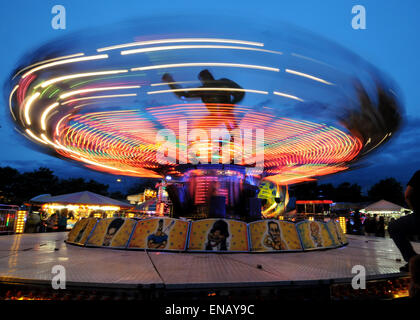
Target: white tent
(385, 207)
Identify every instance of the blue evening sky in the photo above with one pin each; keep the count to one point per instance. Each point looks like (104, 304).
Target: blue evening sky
(390, 42)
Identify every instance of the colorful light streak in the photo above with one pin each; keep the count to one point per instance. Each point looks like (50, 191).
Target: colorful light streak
(66, 61)
(117, 133)
(178, 40)
(165, 48)
(206, 64)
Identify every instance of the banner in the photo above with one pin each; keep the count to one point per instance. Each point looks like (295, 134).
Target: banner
(218, 235)
(332, 228)
(112, 232)
(81, 231)
(275, 198)
(340, 234)
(314, 235)
(273, 235)
(160, 234)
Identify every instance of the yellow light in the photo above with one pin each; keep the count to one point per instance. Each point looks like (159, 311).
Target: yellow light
(102, 97)
(56, 63)
(59, 123)
(72, 93)
(10, 100)
(45, 113)
(73, 207)
(49, 60)
(151, 42)
(206, 64)
(307, 76)
(28, 106)
(44, 137)
(343, 224)
(176, 82)
(80, 75)
(209, 89)
(311, 218)
(20, 222)
(287, 96)
(35, 137)
(143, 50)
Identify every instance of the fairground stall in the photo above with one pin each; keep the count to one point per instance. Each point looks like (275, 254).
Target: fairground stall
(386, 209)
(231, 116)
(12, 220)
(80, 205)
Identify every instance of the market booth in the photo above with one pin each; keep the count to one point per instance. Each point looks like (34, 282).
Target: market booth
(81, 205)
(12, 220)
(387, 209)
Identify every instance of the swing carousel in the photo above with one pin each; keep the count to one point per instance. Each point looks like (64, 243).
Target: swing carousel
(232, 115)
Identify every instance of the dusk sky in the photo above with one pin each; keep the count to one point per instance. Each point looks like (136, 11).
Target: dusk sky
(390, 42)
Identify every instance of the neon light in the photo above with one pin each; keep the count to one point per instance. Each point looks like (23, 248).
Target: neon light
(151, 42)
(66, 61)
(209, 89)
(164, 48)
(307, 76)
(28, 105)
(205, 64)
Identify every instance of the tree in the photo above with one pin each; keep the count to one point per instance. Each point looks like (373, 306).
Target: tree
(327, 191)
(388, 189)
(142, 185)
(31, 184)
(306, 191)
(347, 192)
(117, 195)
(8, 180)
(72, 185)
(16, 187)
(97, 187)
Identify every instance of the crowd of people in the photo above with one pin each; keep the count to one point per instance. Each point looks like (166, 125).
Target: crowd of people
(370, 225)
(41, 222)
(375, 225)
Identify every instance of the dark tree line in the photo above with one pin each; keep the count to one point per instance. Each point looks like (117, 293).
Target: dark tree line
(16, 187)
(388, 189)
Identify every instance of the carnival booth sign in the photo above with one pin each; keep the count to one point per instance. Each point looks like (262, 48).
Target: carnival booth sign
(274, 235)
(218, 235)
(160, 234)
(314, 235)
(111, 232)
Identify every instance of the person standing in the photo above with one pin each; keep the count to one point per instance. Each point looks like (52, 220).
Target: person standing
(414, 288)
(370, 226)
(357, 223)
(52, 222)
(380, 227)
(400, 230)
(62, 221)
(33, 223)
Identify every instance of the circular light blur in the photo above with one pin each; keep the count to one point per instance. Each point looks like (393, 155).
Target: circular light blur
(98, 98)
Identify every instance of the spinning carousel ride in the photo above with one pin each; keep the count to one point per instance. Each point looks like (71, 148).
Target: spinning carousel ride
(221, 109)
